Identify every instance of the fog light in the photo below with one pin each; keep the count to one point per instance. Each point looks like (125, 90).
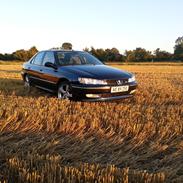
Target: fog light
(133, 91)
(92, 95)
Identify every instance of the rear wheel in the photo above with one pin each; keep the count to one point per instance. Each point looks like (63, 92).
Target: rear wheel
(27, 83)
(64, 90)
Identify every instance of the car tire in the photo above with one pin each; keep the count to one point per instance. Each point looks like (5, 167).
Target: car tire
(64, 90)
(27, 85)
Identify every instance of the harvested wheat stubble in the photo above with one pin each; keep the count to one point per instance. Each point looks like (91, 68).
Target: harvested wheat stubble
(43, 139)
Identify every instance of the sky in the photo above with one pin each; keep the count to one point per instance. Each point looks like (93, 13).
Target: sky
(124, 24)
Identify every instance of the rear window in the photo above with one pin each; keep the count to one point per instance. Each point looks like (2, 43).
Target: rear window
(37, 60)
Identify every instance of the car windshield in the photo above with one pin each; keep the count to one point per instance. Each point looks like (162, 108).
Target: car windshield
(76, 58)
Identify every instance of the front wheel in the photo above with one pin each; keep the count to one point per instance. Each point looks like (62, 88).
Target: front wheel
(64, 90)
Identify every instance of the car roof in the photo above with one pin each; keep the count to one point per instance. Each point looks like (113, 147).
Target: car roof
(64, 51)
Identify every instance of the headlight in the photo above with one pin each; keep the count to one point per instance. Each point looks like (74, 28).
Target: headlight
(132, 79)
(92, 81)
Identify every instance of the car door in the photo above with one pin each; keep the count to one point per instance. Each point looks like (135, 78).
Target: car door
(49, 75)
(35, 69)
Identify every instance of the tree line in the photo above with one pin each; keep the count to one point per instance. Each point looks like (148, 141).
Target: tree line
(136, 55)
(21, 55)
(139, 54)
(111, 55)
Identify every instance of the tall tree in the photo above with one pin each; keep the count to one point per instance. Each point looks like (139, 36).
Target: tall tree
(25, 55)
(107, 54)
(178, 49)
(160, 55)
(138, 55)
(67, 46)
(32, 51)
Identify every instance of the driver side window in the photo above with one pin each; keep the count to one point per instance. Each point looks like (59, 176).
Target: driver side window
(49, 57)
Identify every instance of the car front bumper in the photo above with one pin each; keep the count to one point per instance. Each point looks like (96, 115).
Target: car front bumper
(101, 93)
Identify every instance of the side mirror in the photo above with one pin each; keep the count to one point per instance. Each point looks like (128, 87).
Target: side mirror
(49, 64)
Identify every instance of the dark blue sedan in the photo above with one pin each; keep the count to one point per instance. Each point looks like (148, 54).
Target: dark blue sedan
(77, 75)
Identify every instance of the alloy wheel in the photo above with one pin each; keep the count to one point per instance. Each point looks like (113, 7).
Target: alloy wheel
(27, 82)
(64, 91)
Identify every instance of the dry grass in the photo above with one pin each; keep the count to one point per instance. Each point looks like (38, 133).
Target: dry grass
(43, 139)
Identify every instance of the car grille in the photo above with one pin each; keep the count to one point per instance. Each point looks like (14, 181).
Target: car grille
(117, 82)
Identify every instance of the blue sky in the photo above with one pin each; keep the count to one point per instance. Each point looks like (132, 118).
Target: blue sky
(124, 24)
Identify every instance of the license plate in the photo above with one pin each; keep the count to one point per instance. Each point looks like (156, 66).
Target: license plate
(117, 89)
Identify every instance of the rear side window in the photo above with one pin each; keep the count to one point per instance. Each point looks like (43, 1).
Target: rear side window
(38, 58)
(49, 57)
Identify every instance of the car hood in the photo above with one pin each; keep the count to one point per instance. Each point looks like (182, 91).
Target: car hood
(97, 71)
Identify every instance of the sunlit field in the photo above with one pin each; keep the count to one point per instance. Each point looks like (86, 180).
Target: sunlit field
(43, 139)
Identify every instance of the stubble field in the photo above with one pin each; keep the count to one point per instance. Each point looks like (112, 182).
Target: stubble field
(43, 139)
